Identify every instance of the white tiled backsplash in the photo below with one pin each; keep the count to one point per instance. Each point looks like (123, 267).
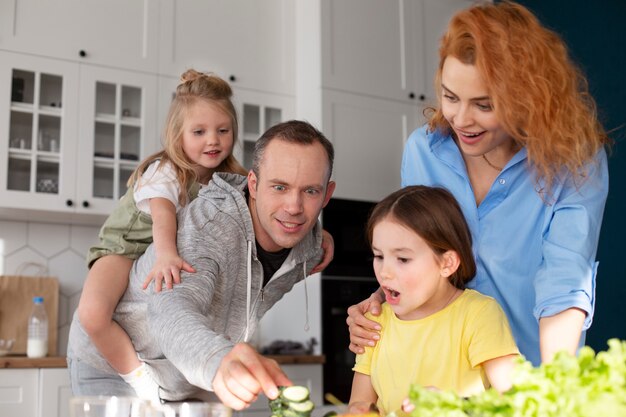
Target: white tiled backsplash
(59, 248)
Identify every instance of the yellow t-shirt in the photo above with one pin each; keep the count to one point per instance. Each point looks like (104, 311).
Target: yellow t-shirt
(444, 350)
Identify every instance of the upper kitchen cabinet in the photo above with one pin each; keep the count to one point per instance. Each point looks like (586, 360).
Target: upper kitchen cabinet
(384, 49)
(368, 135)
(436, 15)
(71, 135)
(117, 123)
(258, 112)
(38, 116)
(249, 43)
(114, 33)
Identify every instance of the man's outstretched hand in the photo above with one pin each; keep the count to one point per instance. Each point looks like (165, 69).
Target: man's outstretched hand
(244, 374)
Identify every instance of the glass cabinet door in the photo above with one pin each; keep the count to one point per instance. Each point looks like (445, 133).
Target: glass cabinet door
(38, 122)
(117, 128)
(257, 112)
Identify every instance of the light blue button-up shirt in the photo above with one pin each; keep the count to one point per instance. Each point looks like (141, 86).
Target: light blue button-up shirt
(534, 255)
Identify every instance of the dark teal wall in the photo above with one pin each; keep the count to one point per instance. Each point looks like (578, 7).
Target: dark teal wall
(596, 35)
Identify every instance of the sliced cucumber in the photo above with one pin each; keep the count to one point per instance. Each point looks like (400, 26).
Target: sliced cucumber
(303, 407)
(292, 413)
(292, 402)
(295, 393)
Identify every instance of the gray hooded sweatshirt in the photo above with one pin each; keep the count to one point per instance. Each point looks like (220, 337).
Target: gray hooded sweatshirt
(184, 333)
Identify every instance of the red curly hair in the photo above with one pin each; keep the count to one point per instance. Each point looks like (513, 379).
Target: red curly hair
(539, 95)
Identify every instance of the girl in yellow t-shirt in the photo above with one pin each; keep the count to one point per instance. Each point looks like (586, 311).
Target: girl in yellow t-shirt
(435, 332)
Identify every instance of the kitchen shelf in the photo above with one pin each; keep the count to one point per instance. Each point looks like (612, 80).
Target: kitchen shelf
(298, 359)
(26, 362)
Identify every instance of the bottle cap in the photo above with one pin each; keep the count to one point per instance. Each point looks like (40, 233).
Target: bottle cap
(38, 300)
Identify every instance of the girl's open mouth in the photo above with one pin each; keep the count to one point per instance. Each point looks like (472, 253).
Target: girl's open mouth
(391, 296)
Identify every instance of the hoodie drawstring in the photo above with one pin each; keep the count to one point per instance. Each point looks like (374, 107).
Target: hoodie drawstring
(306, 299)
(248, 292)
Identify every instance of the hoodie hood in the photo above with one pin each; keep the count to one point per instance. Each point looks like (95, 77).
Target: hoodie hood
(229, 192)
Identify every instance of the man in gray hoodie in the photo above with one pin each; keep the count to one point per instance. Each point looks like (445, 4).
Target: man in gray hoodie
(250, 240)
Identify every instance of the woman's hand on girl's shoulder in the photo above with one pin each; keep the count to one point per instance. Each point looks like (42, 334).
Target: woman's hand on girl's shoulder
(363, 331)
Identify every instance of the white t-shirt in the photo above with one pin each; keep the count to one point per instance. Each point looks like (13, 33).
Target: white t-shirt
(157, 183)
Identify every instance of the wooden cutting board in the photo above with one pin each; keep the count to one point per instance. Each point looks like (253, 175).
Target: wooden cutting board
(16, 304)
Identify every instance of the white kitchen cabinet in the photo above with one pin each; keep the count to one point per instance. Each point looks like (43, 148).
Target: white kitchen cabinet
(258, 112)
(114, 33)
(368, 135)
(55, 392)
(308, 375)
(38, 131)
(34, 392)
(249, 43)
(117, 125)
(367, 80)
(436, 14)
(372, 47)
(383, 49)
(19, 393)
(70, 134)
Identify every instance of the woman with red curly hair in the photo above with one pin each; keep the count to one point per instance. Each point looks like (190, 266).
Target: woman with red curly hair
(516, 139)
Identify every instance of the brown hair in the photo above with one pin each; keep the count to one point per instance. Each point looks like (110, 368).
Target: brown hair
(293, 131)
(434, 214)
(194, 86)
(538, 94)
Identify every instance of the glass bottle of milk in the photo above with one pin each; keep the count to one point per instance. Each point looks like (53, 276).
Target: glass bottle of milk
(37, 344)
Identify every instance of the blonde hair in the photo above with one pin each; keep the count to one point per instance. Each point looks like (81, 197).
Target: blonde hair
(539, 95)
(194, 86)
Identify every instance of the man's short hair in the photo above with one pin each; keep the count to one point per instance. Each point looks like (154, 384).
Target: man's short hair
(292, 131)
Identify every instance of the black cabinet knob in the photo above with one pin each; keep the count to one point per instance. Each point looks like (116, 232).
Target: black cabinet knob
(232, 78)
(69, 203)
(82, 53)
(85, 203)
(411, 96)
(422, 97)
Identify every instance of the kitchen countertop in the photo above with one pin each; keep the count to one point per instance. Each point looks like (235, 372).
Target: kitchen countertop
(298, 359)
(14, 362)
(25, 362)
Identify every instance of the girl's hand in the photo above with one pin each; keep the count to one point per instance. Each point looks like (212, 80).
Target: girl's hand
(407, 405)
(328, 245)
(364, 332)
(167, 268)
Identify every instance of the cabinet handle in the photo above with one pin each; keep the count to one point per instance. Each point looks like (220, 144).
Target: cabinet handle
(69, 203)
(411, 96)
(82, 53)
(85, 203)
(422, 97)
(232, 78)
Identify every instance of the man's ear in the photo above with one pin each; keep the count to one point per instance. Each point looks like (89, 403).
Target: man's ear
(450, 262)
(252, 184)
(330, 189)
